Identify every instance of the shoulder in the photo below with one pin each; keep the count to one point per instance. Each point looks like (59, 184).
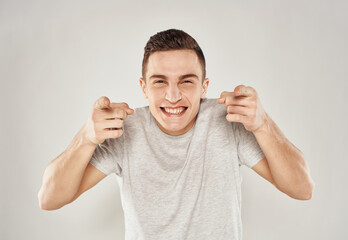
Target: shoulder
(139, 119)
(210, 105)
(209, 108)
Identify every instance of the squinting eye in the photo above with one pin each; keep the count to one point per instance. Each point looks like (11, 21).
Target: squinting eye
(187, 81)
(159, 81)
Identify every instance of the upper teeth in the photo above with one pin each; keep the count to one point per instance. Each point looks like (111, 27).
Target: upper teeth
(174, 110)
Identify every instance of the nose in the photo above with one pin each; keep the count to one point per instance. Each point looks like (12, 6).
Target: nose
(173, 93)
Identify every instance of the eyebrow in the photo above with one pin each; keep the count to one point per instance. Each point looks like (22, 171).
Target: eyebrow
(181, 77)
(191, 75)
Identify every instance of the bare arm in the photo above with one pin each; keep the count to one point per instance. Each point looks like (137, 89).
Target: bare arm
(284, 165)
(63, 175)
(69, 175)
(90, 178)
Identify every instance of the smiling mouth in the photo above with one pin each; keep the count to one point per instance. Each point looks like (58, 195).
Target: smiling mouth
(174, 111)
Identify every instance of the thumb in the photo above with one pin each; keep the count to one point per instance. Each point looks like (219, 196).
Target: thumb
(220, 100)
(102, 103)
(130, 111)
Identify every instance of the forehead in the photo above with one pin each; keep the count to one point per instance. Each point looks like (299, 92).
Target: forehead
(174, 63)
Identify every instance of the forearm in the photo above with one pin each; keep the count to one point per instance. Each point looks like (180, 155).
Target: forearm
(63, 175)
(287, 164)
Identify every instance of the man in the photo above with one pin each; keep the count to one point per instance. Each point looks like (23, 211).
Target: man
(177, 161)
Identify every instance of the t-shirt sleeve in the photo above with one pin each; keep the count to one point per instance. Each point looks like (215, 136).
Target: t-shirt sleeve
(249, 151)
(108, 156)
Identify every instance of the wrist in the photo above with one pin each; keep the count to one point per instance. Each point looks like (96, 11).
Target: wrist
(84, 138)
(265, 126)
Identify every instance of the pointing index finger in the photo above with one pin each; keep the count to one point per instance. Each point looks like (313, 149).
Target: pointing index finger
(123, 106)
(222, 98)
(130, 111)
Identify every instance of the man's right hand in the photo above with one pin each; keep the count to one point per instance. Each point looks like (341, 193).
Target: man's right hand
(106, 120)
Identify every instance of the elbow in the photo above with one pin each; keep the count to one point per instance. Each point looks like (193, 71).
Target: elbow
(305, 193)
(306, 196)
(46, 204)
(310, 191)
(43, 203)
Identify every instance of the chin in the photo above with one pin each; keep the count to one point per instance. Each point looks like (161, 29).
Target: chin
(173, 127)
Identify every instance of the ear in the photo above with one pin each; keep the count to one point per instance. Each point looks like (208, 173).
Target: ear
(205, 87)
(143, 86)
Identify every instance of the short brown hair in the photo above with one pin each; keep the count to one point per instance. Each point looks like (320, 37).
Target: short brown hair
(171, 39)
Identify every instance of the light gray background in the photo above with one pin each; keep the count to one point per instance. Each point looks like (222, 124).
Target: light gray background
(58, 57)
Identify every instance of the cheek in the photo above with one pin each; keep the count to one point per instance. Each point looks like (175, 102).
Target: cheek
(192, 92)
(155, 95)
(191, 87)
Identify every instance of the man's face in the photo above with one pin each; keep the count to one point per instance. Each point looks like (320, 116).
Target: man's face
(174, 88)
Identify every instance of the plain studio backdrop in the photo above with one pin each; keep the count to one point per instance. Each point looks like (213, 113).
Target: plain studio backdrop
(58, 57)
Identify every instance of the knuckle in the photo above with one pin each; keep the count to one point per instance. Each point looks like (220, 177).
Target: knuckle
(229, 101)
(118, 123)
(119, 112)
(124, 104)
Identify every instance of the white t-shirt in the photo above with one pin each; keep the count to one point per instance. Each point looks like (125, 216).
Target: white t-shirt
(180, 187)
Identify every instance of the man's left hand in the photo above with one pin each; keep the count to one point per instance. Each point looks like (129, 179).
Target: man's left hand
(244, 106)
